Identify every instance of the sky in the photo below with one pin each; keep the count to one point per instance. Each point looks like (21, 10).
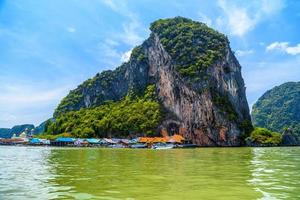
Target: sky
(48, 47)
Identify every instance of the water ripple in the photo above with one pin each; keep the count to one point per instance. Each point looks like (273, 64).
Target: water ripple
(207, 173)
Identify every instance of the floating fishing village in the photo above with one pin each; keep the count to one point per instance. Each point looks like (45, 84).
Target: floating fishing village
(66, 140)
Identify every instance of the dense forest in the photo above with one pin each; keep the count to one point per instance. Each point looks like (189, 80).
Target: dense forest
(73, 101)
(279, 108)
(194, 45)
(131, 116)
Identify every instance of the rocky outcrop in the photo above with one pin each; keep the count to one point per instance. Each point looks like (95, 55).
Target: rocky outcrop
(289, 138)
(193, 114)
(208, 107)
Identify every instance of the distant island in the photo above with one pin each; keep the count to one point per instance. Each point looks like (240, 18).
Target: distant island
(279, 108)
(18, 129)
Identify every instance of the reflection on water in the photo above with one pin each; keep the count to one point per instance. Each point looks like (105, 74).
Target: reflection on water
(207, 173)
(23, 172)
(276, 172)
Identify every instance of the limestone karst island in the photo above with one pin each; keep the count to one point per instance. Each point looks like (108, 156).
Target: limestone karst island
(127, 100)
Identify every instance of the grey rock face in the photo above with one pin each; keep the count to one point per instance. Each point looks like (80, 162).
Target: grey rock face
(289, 139)
(195, 115)
(190, 108)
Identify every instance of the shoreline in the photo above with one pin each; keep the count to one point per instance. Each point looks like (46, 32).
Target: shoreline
(103, 147)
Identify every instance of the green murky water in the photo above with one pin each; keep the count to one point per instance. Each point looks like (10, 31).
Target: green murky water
(206, 173)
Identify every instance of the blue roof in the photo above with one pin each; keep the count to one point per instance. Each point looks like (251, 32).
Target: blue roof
(93, 141)
(35, 141)
(65, 139)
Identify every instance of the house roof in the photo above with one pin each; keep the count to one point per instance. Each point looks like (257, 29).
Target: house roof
(109, 141)
(35, 141)
(172, 139)
(93, 141)
(65, 139)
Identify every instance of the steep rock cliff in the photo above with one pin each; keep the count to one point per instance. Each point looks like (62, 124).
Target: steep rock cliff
(197, 79)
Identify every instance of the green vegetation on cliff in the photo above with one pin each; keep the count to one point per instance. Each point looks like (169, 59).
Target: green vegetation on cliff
(121, 118)
(107, 85)
(279, 108)
(264, 137)
(114, 103)
(224, 104)
(192, 44)
(74, 100)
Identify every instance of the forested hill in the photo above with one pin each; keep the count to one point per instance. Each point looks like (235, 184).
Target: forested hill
(196, 86)
(18, 129)
(279, 108)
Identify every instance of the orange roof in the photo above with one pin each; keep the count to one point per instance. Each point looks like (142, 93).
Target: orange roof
(178, 138)
(174, 138)
(143, 139)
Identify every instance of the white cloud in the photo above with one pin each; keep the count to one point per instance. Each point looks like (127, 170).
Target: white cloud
(277, 45)
(293, 50)
(242, 53)
(132, 27)
(111, 4)
(270, 7)
(205, 19)
(126, 56)
(6, 117)
(25, 95)
(71, 29)
(129, 36)
(28, 102)
(284, 47)
(219, 21)
(241, 18)
(262, 76)
(110, 54)
(112, 42)
(237, 18)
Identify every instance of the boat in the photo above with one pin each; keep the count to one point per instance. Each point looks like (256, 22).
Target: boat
(159, 146)
(187, 146)
(116, 146)
(139, 146)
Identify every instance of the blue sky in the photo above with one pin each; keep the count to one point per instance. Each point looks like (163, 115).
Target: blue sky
(49, 47)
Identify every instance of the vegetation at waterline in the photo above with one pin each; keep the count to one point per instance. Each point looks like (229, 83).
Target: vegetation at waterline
(131, 115)
(264, 137)
(279, 108)
(193, 45)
